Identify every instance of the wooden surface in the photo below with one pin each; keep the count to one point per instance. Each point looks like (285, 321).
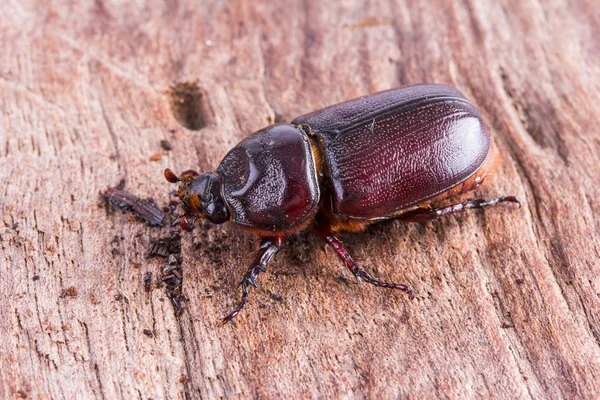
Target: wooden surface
(507, 299)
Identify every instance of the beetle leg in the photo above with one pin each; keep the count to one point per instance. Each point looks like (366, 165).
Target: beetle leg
(268, 248)
(426, 214)
(359, 273)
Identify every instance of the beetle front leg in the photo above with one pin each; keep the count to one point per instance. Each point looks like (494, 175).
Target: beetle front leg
(268, 248)
(359, 273)
(426, 214)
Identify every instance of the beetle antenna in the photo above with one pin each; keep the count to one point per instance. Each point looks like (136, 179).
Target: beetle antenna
(171, 177)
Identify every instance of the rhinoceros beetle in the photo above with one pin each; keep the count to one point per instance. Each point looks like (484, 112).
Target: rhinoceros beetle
(392, 154)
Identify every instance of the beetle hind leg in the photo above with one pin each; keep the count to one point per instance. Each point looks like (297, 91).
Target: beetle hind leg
(268, 248)
(359, 273)
(425, 214)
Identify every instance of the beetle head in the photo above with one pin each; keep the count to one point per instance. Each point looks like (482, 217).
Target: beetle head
(200, 197)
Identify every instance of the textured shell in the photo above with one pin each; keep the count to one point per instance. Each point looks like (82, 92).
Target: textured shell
(270, 180)
(394, 149)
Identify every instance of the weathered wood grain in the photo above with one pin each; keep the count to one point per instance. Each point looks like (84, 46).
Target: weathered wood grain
(508, 300)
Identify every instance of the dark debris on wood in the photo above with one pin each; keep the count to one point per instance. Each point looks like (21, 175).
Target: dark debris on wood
(167, 247)
(146, 209)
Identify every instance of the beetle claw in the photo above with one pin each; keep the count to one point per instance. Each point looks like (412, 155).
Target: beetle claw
(237, 310)
(364, 275)
(268, 248)
(512, 199)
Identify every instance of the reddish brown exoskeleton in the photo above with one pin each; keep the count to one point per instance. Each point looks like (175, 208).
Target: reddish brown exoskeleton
(391, 154)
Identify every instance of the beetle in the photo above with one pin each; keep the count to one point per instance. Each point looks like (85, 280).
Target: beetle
(391, 154)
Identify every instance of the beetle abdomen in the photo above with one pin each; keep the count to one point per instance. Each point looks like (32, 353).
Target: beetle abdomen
(270, 180)
(395, 149)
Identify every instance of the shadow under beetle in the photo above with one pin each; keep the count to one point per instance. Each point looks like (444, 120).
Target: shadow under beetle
(391, 154)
